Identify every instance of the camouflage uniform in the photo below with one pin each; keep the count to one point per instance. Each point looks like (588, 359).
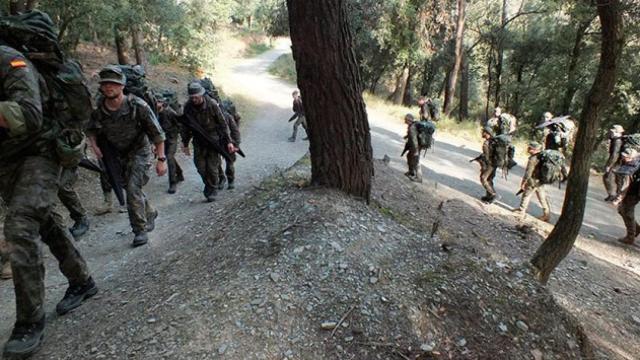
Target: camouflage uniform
(301, 119)
(29, 183)
(68, 195)
(614, 183)
(129, 130)
(168, 119)
(234, 134)
(413, 153)
(206, 160)
(487, 170)
(533, 186)
(627, 208)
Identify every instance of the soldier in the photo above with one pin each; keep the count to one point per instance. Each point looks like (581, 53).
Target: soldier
(428, 109)
(502, 123)
(70, 199)
(230, 171)
(126, 124)
(298, 116)
(487, 170)
(29, 183)
(205, 111)
(168, 119)
(614, 183)
(628, 199)
(530, 184)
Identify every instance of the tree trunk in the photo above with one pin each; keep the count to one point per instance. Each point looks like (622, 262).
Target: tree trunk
(489, 82)
(31, 4)
(464, 88)
(428, 77)
(17, 6)
(330, 82)
(561, 239)
(457, 58)
(407, 97)
(572, 85)
(401, 85)
(515, 104)
(500, 58)
(138, 45)
(121, 47)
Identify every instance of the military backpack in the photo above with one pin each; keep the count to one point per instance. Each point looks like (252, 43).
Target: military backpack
(550, 165)
(210, 89)
(425, 129)
(67, 101)
(631, 142)
(500, 152)
(137, 85)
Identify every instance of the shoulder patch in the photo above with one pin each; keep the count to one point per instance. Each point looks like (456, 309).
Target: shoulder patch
(18, 63)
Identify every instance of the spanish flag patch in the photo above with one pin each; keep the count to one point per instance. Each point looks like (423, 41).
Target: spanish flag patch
(18, 63)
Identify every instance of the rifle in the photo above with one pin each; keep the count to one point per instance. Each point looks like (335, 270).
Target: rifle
(202, 134)
(519, 192)
(406, 149)
(295, 115)
(480, 158)
(111, 167)
(90, 165)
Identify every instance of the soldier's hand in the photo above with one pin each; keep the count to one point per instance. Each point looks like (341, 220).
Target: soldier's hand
(97, 151)
(230, 148)
(186, 150)
(161, 168)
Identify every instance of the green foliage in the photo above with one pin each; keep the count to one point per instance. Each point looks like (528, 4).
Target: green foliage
(256, 48)
(284, 67)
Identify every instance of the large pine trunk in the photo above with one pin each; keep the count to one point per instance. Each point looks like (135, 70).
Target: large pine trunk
(331, 87)
(457, 58)
(121, 47)
(561, 239)
(138, 45)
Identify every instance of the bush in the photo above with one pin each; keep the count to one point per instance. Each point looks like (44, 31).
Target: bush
(284, 67)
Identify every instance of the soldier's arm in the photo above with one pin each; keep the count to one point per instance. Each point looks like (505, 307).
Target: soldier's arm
(234, 131)
(529, 170)
(412, 139)
(223, 128)
(615, 153)
(21, 112)
(150, 124)
(92, 133)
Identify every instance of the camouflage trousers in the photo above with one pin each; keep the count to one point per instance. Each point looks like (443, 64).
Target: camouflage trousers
(301, 120)
(4, 251)
(175, 171)
(29, 187)
(627, 209)
(208, 163)
(413, 162)
(229, 172)
(68, 195)
(487, 174)
(538, 189)
(135, 170)
(614, 183)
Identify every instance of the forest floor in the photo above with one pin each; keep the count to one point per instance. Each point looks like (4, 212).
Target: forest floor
(277, 269)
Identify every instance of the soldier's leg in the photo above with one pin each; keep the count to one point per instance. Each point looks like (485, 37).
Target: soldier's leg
(413, 160)
(107, 203)
(70, 199)
(136, 178)
(295, 129)
(622, 183)
(626, 209)
(609, 179)
(200, 161)
(303, 122)
(30, 214)
(526, 198)
(230, 170)
(487, 174)
(170, 147)
(221, 177)
(541, 193)
(213, 164)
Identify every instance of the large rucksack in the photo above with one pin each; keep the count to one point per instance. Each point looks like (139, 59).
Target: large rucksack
(210, 89)
(229, 107)
(67, 100)
(500, 149)
(506, 124)
(550, 165)
(425, 134)
(171, 98)
(137, 85)
(631, 142)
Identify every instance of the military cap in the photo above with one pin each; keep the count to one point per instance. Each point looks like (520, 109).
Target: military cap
(195, 89)
(489, 130)
(112, 74)
(409, 117)
(535, 145)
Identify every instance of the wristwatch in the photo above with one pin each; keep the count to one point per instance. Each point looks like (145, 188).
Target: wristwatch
(162, 159)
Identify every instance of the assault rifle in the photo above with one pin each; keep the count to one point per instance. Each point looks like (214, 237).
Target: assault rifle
(111, 167)
(202, 134)
(90, 165)
(480, 158)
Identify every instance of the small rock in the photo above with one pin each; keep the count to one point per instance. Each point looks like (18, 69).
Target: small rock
(635, 319)
(502, 328)
(537, 354)
(522, 325)
(373, 280)
(427, 347)
(274, 277)
(152, 320)
(348, 339)
(461, 342)
(222, 349)
(94, 350)
(328, 325)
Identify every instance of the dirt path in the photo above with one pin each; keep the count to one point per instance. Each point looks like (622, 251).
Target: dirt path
(107, 247)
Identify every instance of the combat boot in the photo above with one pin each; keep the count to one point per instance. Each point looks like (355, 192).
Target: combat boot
(107, 205)
(629, 240)
(80, 227)
(5, 272)
(172, 188)
(292, 139)
(221, 182)
(25, 340)
(151, 221)
(140, 239)
(75, 295)
(230, 186)
(545, 217)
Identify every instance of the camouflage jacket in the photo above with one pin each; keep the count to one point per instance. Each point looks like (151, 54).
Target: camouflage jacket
(530, 176)
(168, 120)
(210, 117)
(129, 128)
(298, 108)
(234, 131)
(21, 106)
(413, 146)
(615, 147)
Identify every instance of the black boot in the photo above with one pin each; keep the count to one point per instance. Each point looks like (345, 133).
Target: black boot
(172, 189)
(221, 182)
(230, 186)
(24, 341)
(75, 295)
(140, 239)
(80, 227)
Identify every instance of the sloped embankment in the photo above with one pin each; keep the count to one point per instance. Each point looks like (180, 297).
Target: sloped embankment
(261, 278)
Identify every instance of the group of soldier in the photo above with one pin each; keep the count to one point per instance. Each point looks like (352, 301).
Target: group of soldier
(545, 164)
(127, 134)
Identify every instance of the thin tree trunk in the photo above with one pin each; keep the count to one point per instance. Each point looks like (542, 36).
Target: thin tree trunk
(572, 85)
(515, 104)
(331, 86)
(121, 47)
(407, 98)
(138, 45)
(401, 85)
(500, 59)
(464, 88)
(32, 4)
(561, 239)
(457, 62)
(427, 77)
(489, 82)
